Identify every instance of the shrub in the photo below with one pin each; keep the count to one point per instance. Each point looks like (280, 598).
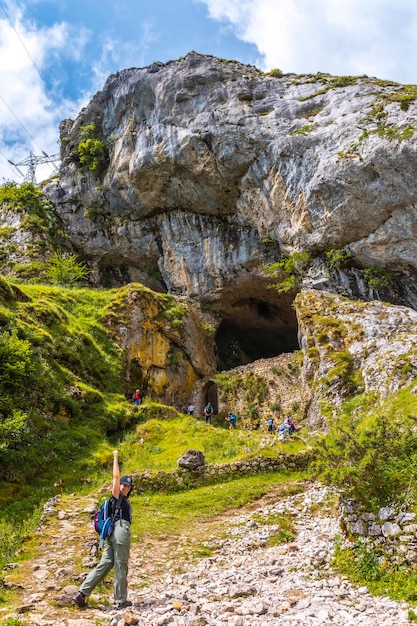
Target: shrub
(92, 152)
(276, 73)
(336, 259)
(373, 462)
(289, 271)
(93, 156)
(378, 277)
(175, 313)
(13, 621)
(64, 269)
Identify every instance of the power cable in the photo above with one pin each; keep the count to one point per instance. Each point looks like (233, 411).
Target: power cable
(21, 123)
(6, 159)
(31, 58)
(31, 158)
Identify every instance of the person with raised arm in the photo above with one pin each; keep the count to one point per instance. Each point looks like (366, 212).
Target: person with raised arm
(116, 546)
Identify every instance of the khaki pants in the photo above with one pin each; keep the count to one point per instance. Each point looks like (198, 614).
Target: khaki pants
(115, 554)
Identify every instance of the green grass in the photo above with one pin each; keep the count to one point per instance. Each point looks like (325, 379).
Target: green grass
(175, 514)
(368, 567)
(61, 382)
(370, 450)
(158, 444)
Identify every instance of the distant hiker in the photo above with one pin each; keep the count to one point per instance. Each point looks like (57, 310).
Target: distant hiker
(271, 425)
(208, 412)
(137, 398)
(232, 420)
(190, 409)
(287, 428)
(116, 546)
(283, 429)
(290, 425)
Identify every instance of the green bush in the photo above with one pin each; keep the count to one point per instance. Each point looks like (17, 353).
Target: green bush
(289, 271)
(92, 152)
(93, 156)
(65, 269)
(336, 259)
(378, 277)
(373, 459)
(276, 73)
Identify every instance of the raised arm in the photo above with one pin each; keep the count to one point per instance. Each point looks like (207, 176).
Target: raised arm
(116, 475)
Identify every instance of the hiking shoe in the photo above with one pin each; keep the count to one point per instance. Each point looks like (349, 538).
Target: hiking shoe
(79, 600)
(124, 605)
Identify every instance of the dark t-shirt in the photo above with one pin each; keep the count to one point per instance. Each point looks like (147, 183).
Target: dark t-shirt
(125, 508)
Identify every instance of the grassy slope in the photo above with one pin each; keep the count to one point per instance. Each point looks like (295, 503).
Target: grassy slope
(63, 409)
(61, 384)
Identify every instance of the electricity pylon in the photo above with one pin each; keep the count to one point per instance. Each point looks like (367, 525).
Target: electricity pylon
(31, 162)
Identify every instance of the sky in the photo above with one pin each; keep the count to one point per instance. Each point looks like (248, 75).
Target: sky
(56, 54)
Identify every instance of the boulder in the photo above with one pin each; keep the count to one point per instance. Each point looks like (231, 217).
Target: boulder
(192, 460)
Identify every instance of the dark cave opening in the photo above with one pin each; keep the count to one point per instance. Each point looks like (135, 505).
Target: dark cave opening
(259, 326)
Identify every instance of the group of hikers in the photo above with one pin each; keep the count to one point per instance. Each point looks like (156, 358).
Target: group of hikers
(208, 410)
(286, 428)
(208, 413)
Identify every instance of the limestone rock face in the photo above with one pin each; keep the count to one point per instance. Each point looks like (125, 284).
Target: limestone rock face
(210, 170)
(353, 347)
(164, 343)
(214, 168)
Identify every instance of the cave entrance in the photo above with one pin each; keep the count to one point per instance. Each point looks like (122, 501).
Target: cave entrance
(209, 394)
(257, 323)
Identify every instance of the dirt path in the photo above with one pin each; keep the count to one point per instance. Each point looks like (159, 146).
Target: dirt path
(64, 548)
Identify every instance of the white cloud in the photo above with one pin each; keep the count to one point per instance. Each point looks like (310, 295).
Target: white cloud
(117, 54)
(376, 37)
(29, 112)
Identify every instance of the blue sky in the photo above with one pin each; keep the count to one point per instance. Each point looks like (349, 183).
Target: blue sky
(55, 54)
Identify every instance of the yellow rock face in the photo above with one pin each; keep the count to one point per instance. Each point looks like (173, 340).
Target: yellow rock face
(163, 338)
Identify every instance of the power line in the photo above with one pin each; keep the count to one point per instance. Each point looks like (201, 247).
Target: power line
(32, 176)
(6, 159)
(31, 58)
(31, 161)
(19, 122)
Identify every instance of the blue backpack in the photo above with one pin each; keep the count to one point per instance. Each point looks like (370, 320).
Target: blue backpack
(104, 520)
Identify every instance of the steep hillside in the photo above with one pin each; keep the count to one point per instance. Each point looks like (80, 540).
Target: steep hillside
(70, 361)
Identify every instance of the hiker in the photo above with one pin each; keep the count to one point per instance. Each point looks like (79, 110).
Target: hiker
(283, 429)
(290, 425)
(232, 420)
(271, 426)
(116, 547)
(190, 409)
(208, 412)
(136, 398)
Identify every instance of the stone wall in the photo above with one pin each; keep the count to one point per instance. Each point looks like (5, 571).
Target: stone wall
(389, 531)
(182, 479)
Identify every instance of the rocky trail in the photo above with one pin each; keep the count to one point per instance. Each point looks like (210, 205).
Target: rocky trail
(246, 581)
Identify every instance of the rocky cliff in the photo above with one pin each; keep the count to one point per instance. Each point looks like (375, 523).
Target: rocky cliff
(191, 176)
(210, 167)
